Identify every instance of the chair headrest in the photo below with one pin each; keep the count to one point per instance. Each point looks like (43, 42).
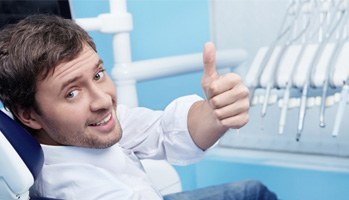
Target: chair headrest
(25, 145)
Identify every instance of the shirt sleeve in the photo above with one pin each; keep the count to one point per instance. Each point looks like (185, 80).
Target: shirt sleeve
(160, 134)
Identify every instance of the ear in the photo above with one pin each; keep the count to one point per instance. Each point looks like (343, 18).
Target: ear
(28, 117)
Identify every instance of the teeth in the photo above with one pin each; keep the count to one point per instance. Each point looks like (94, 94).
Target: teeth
(103, 121)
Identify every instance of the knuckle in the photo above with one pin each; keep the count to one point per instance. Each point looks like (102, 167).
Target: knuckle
(210, 88)
(244, 120)
(218, 113)
(213, 88)
(214, 102)
(244, 91)
(238, 122)
(204, 83)
(236, 78)
(226, 124)
(246, 106)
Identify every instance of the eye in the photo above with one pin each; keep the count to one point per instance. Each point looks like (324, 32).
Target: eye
(72, 94)
(99, 75)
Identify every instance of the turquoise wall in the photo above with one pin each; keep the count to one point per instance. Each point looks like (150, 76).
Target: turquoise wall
(161, 28)
(289, 183)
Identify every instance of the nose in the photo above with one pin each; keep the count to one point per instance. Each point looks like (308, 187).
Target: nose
(100, 99)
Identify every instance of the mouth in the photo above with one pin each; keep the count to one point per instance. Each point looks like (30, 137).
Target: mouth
(103, 121)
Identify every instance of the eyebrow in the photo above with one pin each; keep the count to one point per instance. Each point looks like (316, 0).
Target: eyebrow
(74, 79)
(100, 62)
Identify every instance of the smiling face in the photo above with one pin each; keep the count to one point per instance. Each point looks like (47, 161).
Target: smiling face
(77, 105)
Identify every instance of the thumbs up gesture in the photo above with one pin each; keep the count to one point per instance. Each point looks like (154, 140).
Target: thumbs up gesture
(226, 94)
(226, 105)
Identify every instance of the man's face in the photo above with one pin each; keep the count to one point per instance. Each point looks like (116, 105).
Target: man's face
(78, 104)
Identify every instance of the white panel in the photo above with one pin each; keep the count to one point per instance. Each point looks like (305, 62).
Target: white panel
(248, 24)
(253, 25)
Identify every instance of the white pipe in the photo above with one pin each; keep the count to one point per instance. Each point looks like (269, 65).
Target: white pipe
(174, 65)
(89, 24)
(126, 75)
(121, 48)
(127, 93)
(117, 6)
(110, 23)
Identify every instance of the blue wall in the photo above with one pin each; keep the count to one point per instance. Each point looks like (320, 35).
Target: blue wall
(289, 183)
(161, 28)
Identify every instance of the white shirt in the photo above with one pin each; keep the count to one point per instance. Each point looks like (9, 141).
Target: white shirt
(116, 172)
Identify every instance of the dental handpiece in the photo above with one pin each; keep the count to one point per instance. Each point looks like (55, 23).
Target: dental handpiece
(329, 70)
(266, 58)
(303, 103)
(288, 86)
(308, 78)
(340, 111)
(271, 50)
(302, 110)
(270, 83)
(285, 101)
(284, 30)
(282, 52)
(304, 8)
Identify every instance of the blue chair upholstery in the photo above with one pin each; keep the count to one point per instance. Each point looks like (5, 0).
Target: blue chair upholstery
(25, 145)
(21, 159)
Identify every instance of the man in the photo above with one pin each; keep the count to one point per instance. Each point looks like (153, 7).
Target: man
(55, 84)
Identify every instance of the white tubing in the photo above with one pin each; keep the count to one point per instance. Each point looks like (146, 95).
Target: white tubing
(174, 65)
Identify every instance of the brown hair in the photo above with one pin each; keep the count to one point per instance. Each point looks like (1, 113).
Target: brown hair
(30, 50)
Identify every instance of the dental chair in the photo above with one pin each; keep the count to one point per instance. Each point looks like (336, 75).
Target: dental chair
(21, 159)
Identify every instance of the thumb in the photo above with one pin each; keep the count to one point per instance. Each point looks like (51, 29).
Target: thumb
(209, 58)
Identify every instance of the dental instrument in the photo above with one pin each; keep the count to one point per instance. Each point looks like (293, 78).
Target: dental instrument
(286, 96)
(340, 78)
(319, 52)
(343, 18)
(341, 108)
(288, 84)
(271, 76)
(264, 55)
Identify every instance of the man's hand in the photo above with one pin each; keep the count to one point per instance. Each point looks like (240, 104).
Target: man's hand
(226, 106)
(226, 95)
